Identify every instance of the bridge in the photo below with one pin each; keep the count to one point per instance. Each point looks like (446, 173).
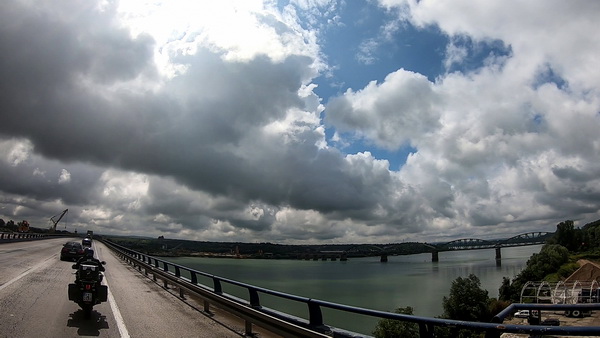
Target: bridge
(142, 289)
(412, 248)
(529, 238)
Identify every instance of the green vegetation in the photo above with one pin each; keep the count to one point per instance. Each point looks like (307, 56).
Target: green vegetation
(176, 247)
(539, 266)
(12, 226)
(389, 328)
(557, 259)
(467, 301)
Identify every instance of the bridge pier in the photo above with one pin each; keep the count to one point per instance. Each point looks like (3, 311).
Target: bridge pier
(435, 256)
(384, 258)
(498, 257)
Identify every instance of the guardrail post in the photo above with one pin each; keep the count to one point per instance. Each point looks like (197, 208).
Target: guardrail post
(254, 299)
(249, 329)
(426, 331)
(492, 334)
(217, 286)
(193, 277)
(177, 272)
(314, 313)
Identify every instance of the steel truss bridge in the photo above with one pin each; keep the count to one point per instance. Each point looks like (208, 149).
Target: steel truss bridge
(411, 248)
(529, 238)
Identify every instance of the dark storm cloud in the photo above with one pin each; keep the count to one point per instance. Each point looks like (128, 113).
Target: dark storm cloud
(41, 179)
(204, 128)
(197, 137)
(49, 53)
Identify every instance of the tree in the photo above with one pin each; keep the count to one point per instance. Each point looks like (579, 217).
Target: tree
(11, 225)
(567, 236)
(507, 291)
(390, 328)
(540, 265)
(546, 262)
(467, 300)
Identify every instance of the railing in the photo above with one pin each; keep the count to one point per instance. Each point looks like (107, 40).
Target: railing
(251, 310)
(20, 236)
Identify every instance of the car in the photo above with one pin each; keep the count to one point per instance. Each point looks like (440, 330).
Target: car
(71, 251)
(86, 242)
(550, 322)
(522, 314)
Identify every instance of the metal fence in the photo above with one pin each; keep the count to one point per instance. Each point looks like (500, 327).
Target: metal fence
(20, 236)
(250, 309)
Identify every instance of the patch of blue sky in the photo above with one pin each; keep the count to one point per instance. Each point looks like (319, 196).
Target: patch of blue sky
(367, 44)
(547, 75)
(465, 55)
(353, 145)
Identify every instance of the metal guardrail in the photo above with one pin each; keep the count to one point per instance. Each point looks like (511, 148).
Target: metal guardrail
(18, 235)
(6, 237)
(253, 312)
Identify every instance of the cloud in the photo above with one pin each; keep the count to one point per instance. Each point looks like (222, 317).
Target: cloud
(391, 113)
(486, 139)
(65, 177)
(198, 130)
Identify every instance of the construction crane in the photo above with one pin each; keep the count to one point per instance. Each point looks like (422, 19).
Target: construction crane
(55, 222)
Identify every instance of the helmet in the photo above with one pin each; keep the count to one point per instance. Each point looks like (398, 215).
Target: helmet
(88, 252)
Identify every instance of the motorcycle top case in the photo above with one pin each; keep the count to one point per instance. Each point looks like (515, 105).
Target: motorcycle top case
(88, 272)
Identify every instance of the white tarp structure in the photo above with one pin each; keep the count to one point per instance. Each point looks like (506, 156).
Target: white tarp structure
(561, 292)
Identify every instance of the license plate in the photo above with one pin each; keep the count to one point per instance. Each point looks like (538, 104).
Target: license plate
(87, 296)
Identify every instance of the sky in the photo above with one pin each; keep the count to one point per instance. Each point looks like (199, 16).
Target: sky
(300, 121)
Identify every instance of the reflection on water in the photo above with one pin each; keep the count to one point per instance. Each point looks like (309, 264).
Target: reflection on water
(365, 282)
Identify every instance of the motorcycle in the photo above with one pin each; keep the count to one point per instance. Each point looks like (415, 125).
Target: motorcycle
(87, 291)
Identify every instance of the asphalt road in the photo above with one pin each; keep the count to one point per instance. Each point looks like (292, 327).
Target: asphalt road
(34, 300)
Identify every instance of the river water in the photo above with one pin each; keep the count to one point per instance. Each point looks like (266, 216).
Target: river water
(365, 282)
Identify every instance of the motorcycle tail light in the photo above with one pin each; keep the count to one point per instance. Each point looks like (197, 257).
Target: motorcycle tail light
(88, 286)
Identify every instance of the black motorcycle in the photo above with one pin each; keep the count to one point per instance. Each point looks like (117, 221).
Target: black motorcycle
(87, 290)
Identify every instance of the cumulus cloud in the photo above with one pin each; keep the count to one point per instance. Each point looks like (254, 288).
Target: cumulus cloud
(65, 177)
(212, 128)
(392, 113)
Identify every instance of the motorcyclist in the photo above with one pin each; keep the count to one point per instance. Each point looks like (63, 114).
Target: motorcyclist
(88, 259)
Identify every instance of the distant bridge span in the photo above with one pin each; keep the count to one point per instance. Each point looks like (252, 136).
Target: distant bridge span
(528, 238)
(411, 248)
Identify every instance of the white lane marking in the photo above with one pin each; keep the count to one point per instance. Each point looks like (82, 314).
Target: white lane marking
(28, 271)
(115, 309)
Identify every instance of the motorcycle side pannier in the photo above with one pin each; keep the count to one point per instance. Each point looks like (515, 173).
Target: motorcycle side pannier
(102, 293)
(74, 293)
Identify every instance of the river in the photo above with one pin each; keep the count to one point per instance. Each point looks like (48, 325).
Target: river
(365, 282)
